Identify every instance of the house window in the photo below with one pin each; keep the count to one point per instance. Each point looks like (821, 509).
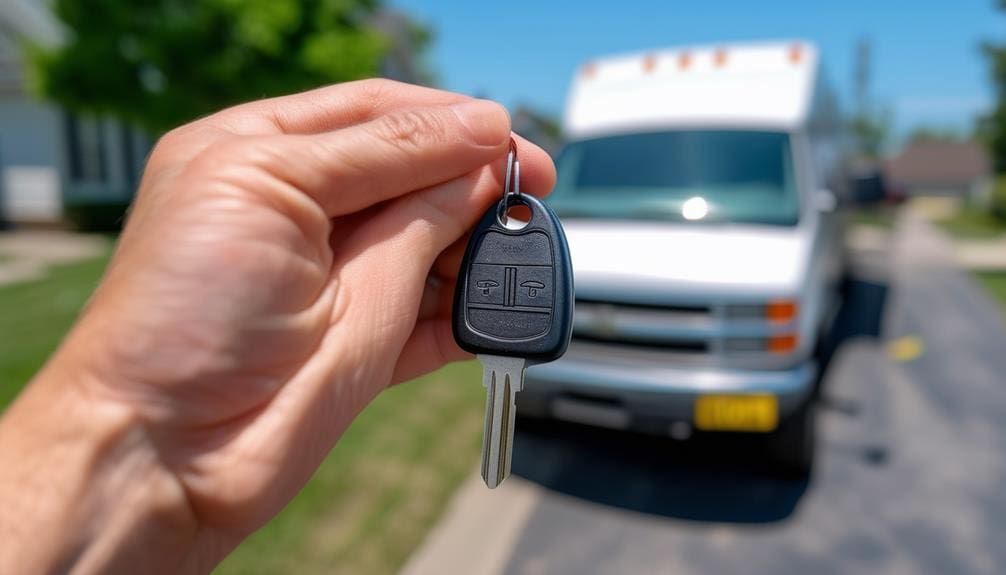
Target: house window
(86, 141)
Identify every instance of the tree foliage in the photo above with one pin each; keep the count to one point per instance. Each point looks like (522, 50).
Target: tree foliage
(159, 63)
(992, 128)
(935, 134)
(870, 132)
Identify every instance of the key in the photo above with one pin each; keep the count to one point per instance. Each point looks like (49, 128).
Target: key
(513, 307)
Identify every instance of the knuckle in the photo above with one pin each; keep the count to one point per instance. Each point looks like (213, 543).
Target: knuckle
(248, 150)
(226, 161)
(170, 138)
(372, 92)
(222, 152)
(413, 129)
(169, 141)
(374, 88)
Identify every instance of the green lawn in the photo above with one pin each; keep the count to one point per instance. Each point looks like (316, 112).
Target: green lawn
(35, 315)
(371, 501)
(973, 224)
(382, 487)
(876, 216)
(995, 283)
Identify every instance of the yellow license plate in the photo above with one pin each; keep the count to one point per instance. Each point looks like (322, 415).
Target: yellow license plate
(737, 413)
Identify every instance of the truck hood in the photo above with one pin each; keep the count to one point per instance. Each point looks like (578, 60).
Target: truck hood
(674, 263)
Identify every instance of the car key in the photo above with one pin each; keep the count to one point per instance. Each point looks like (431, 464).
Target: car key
(513, 307)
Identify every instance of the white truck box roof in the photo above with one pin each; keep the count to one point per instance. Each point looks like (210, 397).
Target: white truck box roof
(731, 86)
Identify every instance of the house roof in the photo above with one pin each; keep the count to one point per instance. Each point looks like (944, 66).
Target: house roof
(939, 163)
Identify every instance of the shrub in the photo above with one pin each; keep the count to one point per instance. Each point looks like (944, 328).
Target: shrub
(96, 215)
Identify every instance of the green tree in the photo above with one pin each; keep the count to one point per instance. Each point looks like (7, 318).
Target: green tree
(870, 132)
(161, 63)
(935, 134)
(992, 128)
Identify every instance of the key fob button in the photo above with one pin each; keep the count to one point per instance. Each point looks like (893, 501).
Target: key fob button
(513, 324)
(486, 285)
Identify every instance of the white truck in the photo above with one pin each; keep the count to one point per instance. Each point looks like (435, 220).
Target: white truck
(698, 193)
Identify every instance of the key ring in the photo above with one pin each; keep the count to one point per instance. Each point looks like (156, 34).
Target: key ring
(512, 170)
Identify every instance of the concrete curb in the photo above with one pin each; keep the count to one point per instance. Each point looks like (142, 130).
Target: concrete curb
(478, 530)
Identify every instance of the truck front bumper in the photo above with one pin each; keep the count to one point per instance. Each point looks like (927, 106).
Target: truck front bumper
(649, 397)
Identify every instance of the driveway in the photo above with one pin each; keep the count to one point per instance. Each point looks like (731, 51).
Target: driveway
(27, 254)
(910, 477)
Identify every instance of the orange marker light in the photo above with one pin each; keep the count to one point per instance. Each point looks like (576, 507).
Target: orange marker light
(684, 60)
(649, 63)
(781, 310)
(782, 343)
(795, 54)
(589, 70)
(720, 58)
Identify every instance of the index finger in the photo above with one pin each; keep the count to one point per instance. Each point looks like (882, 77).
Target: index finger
(350, 169)
(316, 111)
(328, 108)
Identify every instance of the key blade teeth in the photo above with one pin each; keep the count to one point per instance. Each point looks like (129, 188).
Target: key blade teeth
(487, 433)
(502, 378)
(506, 430)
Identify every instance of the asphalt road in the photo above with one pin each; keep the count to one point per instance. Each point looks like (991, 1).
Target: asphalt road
(911, 468)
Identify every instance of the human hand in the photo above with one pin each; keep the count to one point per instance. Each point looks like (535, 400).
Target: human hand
(284, 262)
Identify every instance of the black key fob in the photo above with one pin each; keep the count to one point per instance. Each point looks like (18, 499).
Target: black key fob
(514, 293)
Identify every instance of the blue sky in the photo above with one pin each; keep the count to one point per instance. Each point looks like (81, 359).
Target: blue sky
(926, 64)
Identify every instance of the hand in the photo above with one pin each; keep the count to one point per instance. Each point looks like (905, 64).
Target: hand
(284, 262)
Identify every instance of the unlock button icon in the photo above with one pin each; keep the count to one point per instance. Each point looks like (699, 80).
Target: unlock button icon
(532, 287)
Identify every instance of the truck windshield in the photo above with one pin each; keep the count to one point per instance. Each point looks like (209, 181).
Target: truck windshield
(697, 176)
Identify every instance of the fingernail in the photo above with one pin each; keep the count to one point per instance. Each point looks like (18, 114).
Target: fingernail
(487, 122)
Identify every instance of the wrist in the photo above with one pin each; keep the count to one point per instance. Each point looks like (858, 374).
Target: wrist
(81, 484)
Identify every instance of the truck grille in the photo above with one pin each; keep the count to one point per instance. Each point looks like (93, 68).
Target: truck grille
(677, 309)
(682, 346)
(680, 329)
(695, 335)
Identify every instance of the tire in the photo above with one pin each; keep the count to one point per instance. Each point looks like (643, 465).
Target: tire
(792, 445)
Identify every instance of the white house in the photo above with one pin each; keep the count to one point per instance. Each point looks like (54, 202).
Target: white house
(50, 158)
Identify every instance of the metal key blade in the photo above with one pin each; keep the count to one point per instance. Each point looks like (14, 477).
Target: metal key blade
(502, 377)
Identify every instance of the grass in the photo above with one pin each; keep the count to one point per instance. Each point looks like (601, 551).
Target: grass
(879, 216)
(995, 284)
(382, 487)
(372, 500)
(973, 224)
(35, 315)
